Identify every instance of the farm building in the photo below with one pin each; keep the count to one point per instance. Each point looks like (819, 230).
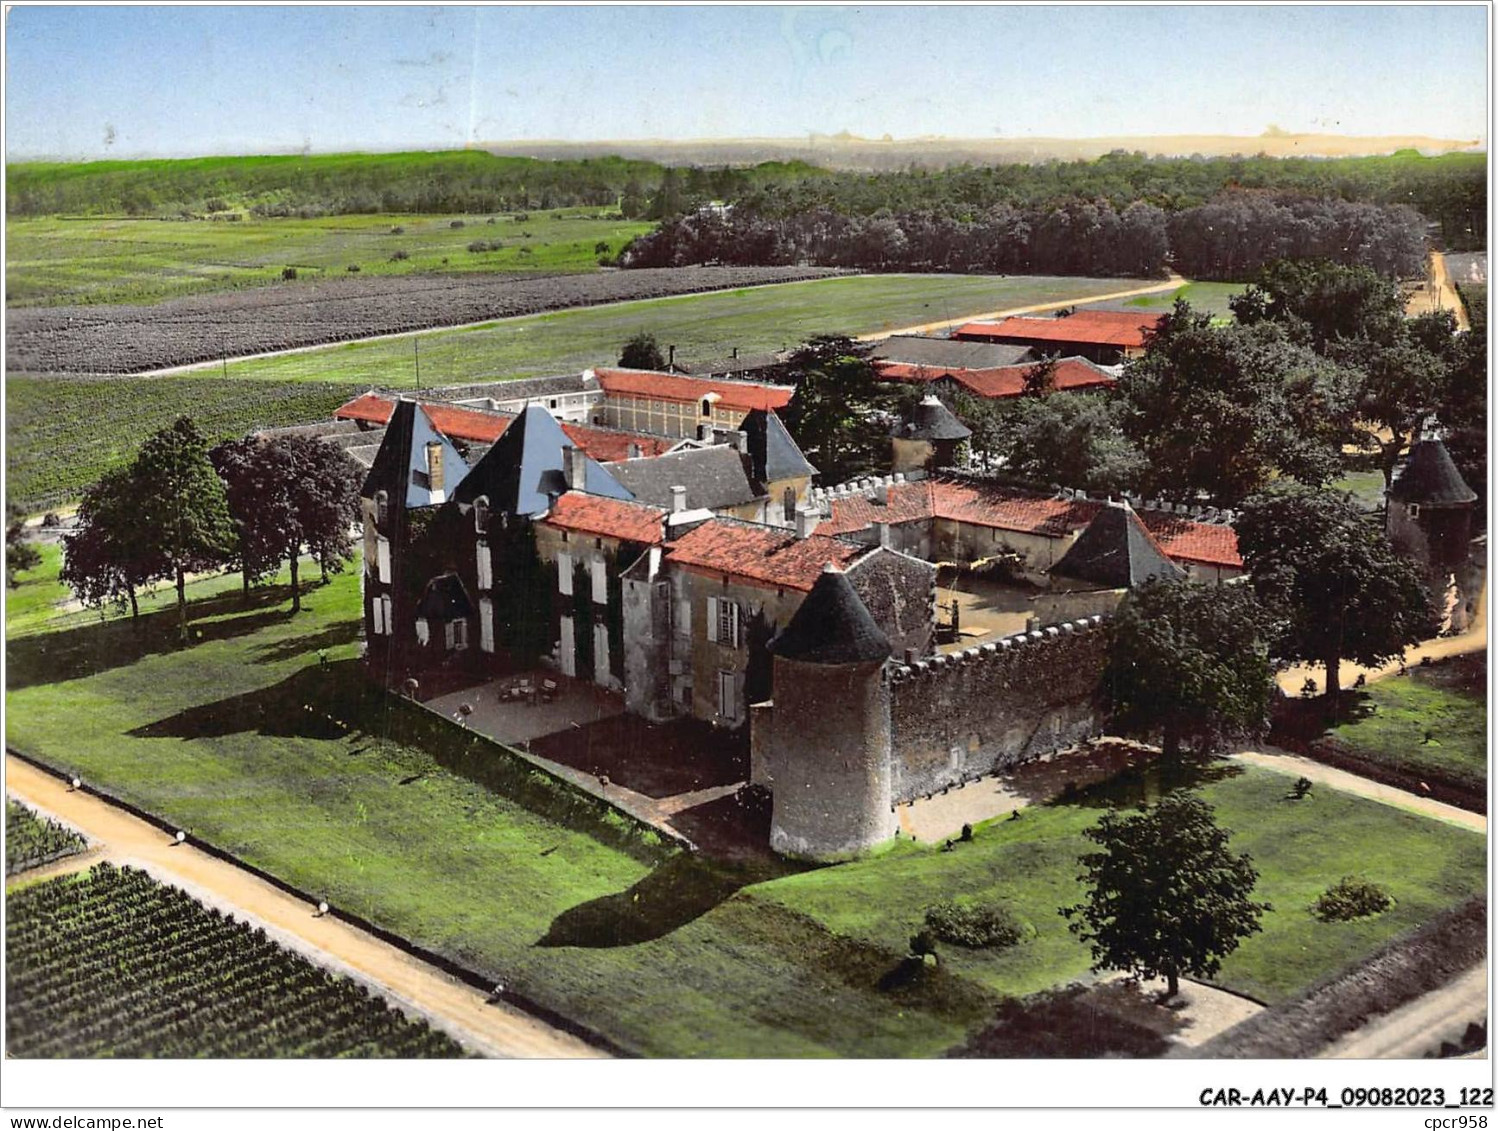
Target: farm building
(674, 405)
(1071, 374)
(1101, 336)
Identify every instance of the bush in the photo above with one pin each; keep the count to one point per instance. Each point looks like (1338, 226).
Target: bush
(983, 925)
(354, 267)
(288, 273)
(456, 224)
(51, 518)
(1351, 897)
(397, 256)
(397, 231)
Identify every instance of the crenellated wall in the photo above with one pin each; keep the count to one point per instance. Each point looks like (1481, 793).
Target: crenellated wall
(968, 713)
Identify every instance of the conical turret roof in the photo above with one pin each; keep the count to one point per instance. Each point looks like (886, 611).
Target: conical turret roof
(931, 420)
(832, 626)
(1117, 551)
(1431, 479)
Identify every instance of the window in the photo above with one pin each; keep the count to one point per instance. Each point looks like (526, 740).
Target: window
(377, 615)
(600, 654)
(481, 515)
(788, 504)
(423, 631)
(599, 570)
(564, 574)
(707, 407)
(455, 633)
(389, 618)
(382, 559)
(682, 620)
(382, 508)
(486, 572)
(1413, 510)
(486, 625)
(728, 704)
(723, 622)
(567, 649)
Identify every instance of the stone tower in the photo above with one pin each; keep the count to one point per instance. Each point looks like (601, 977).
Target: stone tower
(928, 438)
(1430, 521)
(829, 756)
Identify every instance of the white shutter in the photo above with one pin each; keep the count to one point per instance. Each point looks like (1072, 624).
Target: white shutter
(601, 654)
(486, 575)
(733, 621)
(486, 624)
(382, 557)
(389, 618)
(566, 649)
(423, 631)
(564, 574)
(600, 581)
(450, 634)
(712, 620)
(377, 611)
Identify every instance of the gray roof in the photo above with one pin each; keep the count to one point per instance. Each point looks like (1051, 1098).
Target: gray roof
(1431, 479)
(1117, 551)
(773, 454)
(511, 390)
(714, 477)
(526, 465)
(731, 366)
(832, 626)
(399, 467)
(948, 353)
(931, 420)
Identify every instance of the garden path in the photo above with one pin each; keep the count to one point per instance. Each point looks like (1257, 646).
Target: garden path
(460, 1010)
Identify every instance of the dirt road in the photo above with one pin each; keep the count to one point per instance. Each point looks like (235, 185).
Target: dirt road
(1418, 1028)
(458, 1009)
(1438, 293)
(1173, 283)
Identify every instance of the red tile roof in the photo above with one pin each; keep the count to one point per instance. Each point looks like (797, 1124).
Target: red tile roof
(674, 387)
(611, 518)
(460, 423)
(759, 555)
(1007, 508)
(1004, 381)
(1084, 327)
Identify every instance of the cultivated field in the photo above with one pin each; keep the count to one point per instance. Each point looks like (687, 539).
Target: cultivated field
(299, 768)
(130, 339)
(56, 261)
(32, 841)
(109, 963)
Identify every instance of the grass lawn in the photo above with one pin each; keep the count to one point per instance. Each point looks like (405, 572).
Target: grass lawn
(1445, 701)
(56, 261)
(1209, 297)
(246, 740)
(754, 319)
(1367, 487)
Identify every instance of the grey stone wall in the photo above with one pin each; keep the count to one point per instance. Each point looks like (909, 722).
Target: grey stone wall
(993, 705)
(900, 594)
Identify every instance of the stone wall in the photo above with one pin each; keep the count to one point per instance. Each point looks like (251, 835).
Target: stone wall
(965, 714)
(900, 593)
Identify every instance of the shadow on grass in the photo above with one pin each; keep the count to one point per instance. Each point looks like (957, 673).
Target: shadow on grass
(282, 710)
(1145, 784)
(1072, 1022)
(656, 759)
(344, 632)
(89, 649)
(684, 888)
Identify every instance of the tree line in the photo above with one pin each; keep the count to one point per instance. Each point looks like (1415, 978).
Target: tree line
(179, 508)
(1230, 238)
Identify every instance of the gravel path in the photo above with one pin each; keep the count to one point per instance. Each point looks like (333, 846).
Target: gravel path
(463, 1012)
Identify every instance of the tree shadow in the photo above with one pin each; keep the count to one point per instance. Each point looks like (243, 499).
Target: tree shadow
(89, 649)
(1141, 784)
(344, 632)
(682, 889)
(319, 702)
(1073, 1022)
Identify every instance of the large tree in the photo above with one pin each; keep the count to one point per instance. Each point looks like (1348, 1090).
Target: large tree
(111, 554)
(1223, 411)
(1322, 301)
(642, 352)
(1165, 896)
(1190, 661)
(841, 413)
(248, 482)
(182, 506)
(1069, 439)
(20, 554)
(1328, 567)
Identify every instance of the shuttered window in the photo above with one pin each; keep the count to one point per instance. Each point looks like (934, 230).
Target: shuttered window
(599, 569)
(377, 616)
(382, 559)
(564, 574)
(485, 571)
(486, 625)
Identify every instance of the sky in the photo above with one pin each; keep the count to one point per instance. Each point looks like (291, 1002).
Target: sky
(141, 81)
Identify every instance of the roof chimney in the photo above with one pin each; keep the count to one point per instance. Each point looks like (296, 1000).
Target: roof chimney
(671, 358)
(577, 468)
(881, 530)
(678, 499)
(635, 451)
(705, 433)
(806, 522)
(739, 440)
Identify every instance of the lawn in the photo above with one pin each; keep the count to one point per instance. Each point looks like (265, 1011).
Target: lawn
(297, 767)
(753, 320)
(57, 261)
(1366, 487)
(1209, 297)
(1433, 721)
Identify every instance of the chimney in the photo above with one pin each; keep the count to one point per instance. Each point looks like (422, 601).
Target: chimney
(806, 522)
(735, 354)
(881, 531)
(671, 358)
(635, 451)
(435, 480)
(577, 468)
(678, 499)
(739, 441)
(705, 433)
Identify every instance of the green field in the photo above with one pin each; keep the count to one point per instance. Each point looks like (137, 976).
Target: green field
(1433, 721)
(58, 261)
(753, 320)
(109, 963)
(301, 770)
(1208, 297)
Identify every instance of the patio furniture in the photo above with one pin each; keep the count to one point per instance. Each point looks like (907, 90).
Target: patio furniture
(549, 690)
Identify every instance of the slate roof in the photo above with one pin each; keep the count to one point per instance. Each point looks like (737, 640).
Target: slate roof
(832, 626)
(1116, 550)
(612, 518)
(732, 366)
(1072, 373)
(1118, 328)
(759, 555)
(1431, 479)
(773, 454)
(931, 420)
(715, 478)
(526, 466)
(444, 599)
(400, 466)
(946, 353)
(746, 395)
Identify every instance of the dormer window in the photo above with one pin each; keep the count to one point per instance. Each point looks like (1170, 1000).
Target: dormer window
(707, 407)
(1413, 510)
(481, 514)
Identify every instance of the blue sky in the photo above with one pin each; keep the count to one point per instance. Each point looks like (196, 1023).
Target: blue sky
(131, 81)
